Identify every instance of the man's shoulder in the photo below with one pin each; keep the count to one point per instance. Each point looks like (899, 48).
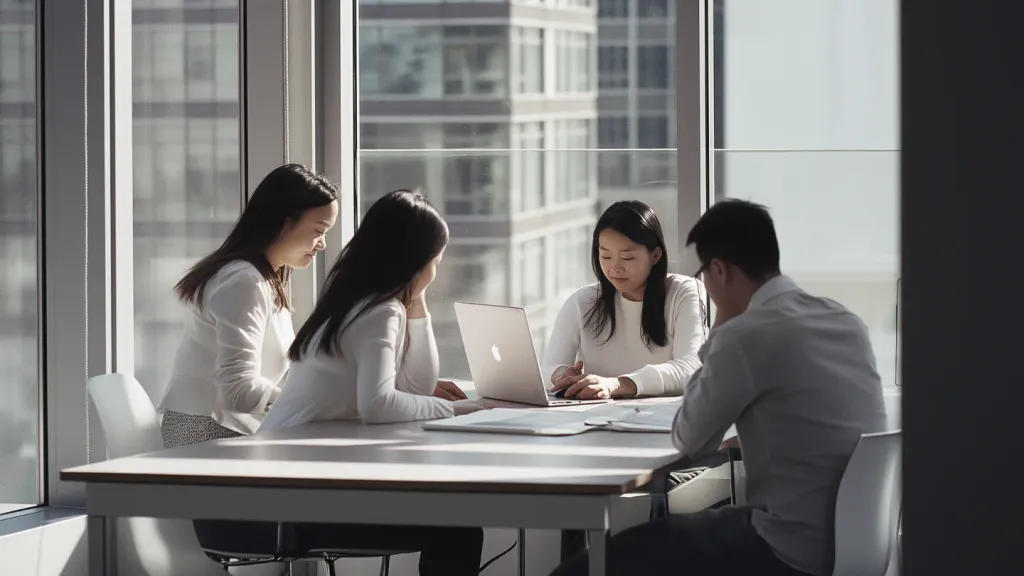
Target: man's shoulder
(795, 314)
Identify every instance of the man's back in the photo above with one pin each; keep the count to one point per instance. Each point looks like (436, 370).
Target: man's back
(798, 373)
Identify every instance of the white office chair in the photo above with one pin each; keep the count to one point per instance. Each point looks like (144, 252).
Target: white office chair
(868, 507)
(131, 426)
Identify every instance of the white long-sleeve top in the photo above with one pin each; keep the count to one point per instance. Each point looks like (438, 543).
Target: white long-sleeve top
(796, 374)
(233, 351)
(657, 372)
(374, 378)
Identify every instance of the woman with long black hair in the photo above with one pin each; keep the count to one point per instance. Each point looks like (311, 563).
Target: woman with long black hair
(368, 353)
(636, 332)
(233, 351)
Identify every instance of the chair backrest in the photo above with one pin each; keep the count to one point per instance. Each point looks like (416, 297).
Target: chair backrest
(152, 546)
(868, 506)
(129, 420)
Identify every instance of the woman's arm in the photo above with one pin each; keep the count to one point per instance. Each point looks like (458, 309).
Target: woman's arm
(564, 343)
(240, 307)
(690, 331)
(378, 334)
(419, 364)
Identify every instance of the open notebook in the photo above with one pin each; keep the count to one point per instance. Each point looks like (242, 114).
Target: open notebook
(622, 417)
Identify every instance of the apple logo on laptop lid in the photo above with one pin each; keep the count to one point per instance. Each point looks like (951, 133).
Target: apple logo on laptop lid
(496, 353)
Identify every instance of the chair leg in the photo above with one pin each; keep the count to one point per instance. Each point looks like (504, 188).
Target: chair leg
(385, 566)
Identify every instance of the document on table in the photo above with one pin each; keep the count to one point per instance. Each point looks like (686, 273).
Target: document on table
(623, 416)
(635, 417)
(516, 421)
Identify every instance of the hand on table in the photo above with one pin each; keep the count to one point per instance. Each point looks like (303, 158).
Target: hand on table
(469, 406)
(449, 391)
(586, 386)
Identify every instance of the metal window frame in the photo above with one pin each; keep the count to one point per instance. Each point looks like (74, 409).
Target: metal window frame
(694, 120)
(301, 106)
(337, 109)
(85, 190)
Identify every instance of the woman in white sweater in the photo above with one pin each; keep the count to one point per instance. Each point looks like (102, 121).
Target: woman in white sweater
(635, 332)
(367, 352)
(233, 351)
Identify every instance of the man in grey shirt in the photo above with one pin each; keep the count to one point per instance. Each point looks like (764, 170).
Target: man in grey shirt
(796, 374)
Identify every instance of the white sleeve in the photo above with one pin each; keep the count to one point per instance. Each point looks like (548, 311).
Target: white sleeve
(240, 308)
(419, 366)
(689, 333)
(377, 399)
(714, 398)
(564, 345)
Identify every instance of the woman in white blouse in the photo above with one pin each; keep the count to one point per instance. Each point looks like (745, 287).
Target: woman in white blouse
(367, 352)
(233, 352)
(635, 332)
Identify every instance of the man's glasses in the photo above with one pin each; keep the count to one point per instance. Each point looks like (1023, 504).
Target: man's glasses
(700, 270)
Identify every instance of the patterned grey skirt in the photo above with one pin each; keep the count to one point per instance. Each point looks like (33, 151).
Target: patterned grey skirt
(180, 429)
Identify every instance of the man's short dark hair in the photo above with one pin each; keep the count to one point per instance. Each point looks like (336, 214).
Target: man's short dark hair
(740, 233)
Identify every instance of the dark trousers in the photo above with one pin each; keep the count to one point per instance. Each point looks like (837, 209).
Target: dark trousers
(443, 551)
(575, 541)
(719, 542)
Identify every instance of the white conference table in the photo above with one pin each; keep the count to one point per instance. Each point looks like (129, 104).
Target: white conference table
(381, 474)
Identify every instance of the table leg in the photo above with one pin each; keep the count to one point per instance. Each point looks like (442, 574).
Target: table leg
(102, 540)
(598, 551)
(521, 546)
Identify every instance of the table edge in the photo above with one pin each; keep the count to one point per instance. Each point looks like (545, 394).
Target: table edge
(512, 487)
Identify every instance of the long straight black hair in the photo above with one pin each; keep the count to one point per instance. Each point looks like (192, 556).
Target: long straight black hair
(400, 234)
(284, 194)
(638, 222)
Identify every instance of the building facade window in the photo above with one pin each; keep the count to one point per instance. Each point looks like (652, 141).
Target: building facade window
(528, 154)
(652, 8)
(476, 60)
(400, 61)
(612, 67)
(529, 72)
(530, 271)
(476, 181)
(652, 67)
(652, 132)
(574, 148)
(612, 9)
(573, 61)
(576, 272)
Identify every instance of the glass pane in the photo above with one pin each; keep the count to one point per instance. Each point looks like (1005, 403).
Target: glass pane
(19, 290)
(808, 111)
(187, 181)
(506, 142)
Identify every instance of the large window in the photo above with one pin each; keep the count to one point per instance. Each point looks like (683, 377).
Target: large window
(520, 181)
(807, 124)
(187, 175)
(19, 260)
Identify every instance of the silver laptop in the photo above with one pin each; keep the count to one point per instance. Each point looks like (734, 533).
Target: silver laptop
(502, 357)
